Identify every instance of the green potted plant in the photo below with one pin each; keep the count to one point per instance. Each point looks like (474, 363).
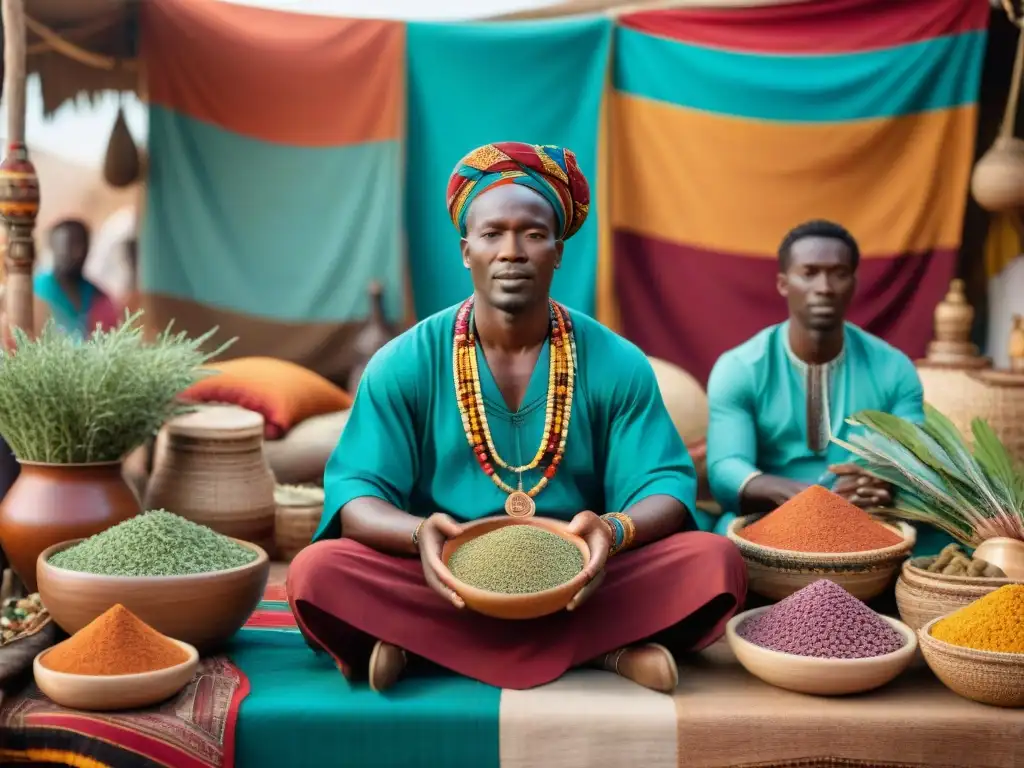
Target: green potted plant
(71, 410)
(975, 495)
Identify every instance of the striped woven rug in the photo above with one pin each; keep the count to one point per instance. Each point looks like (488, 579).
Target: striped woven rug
(301, 712)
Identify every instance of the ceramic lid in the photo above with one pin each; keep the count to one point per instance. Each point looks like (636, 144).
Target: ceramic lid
(218, 421)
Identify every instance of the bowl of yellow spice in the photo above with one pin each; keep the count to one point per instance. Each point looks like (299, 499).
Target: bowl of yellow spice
(978, 650)
(512, 568)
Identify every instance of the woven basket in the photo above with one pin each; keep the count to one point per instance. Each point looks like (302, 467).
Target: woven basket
(983, 676)
(922, 596)
(299, 509)
(1001, 404)
(778, 573)
(963, 395)
(954, 392)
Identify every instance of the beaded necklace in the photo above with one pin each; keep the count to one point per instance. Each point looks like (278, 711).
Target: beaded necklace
(561, 379)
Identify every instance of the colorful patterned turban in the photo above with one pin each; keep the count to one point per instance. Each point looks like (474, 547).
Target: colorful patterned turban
(551, 171)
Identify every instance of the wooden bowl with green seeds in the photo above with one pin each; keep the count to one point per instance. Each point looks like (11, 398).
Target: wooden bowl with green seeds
(512, 568)
(201, 607)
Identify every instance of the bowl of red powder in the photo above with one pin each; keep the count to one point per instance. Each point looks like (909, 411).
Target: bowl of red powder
(823, 641)
(818, 534)
(115, 662)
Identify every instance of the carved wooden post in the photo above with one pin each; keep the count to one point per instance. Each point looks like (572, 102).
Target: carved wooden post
(19, 186)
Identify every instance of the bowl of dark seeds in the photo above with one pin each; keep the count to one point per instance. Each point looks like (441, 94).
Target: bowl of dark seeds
(517, 569)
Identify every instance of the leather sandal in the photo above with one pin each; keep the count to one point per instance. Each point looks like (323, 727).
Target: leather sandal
(650, 665)
(387, 663)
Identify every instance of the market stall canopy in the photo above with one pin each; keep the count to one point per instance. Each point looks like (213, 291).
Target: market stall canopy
(82, 47)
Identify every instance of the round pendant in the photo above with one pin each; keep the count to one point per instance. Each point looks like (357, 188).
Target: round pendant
(519, 504)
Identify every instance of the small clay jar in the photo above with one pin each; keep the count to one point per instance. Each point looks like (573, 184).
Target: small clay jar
(210, 469)
(1016, 351)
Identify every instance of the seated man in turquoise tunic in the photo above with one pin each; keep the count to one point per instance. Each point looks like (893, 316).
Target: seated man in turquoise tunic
(778, 399)
(511, 403)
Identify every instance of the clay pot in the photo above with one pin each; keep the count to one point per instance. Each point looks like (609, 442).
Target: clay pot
(203, 609)
(52, 503)
(210, 469)
(998, 179)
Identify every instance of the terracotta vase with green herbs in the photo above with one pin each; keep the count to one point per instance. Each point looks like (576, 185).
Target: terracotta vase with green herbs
(71, 411)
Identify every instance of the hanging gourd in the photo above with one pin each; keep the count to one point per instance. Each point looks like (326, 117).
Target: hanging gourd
(121, 163)
(998, 179)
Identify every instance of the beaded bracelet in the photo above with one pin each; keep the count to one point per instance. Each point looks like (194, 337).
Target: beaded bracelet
(618, 531)
(622, 528)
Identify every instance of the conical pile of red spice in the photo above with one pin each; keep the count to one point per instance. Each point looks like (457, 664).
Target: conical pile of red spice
(817, 520)
(115, 643)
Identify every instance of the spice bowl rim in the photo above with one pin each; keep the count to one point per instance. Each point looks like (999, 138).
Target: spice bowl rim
(262, 560)
(967, 654)
(908, 649)
(911, 566)
(557, 527)
(829, 560)
(192, 661)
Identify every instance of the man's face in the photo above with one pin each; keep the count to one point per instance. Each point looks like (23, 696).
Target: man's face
(70, 245)
(819, 283)
(511, 247)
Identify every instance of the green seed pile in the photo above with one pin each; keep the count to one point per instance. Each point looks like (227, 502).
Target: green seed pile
(516, 560)
(155, 543)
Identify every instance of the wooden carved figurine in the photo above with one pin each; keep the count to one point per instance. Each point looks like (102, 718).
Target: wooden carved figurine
(1017, 344)
(375, 333)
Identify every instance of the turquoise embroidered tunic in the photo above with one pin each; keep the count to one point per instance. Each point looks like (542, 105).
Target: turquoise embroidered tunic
(757, 396)
(404, 441)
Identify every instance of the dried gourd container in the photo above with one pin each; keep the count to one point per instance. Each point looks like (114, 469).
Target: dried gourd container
(299, 509)
(209, 468)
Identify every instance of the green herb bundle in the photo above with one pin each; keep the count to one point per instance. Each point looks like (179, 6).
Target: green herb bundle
(938, 480)
(68, 401)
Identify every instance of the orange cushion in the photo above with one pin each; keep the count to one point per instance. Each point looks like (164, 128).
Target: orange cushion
(283, 392)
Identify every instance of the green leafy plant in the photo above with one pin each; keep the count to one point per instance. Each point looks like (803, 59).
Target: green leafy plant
(68, 401)
(971, 495)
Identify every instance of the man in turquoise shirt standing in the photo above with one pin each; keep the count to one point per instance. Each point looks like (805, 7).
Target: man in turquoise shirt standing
(778, 399)
(512, 403)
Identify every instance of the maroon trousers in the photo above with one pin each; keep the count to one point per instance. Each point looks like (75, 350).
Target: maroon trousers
(679, 591)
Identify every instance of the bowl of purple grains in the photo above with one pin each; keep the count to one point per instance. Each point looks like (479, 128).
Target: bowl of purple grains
(821, 641)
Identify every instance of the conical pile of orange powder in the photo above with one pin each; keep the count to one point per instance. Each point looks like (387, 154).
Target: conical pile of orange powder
(115, 643)
(817, 520)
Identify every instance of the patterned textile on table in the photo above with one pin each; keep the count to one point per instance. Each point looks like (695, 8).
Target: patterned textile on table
(196, 729)
(302, 713)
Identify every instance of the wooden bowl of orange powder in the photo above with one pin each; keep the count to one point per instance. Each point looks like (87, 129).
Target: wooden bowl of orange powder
(819, 535)
(115, 662)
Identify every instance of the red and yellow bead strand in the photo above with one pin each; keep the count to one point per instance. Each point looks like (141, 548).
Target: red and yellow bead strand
(557, 412)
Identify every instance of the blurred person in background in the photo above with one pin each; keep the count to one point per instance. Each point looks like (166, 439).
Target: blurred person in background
(64, 294)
